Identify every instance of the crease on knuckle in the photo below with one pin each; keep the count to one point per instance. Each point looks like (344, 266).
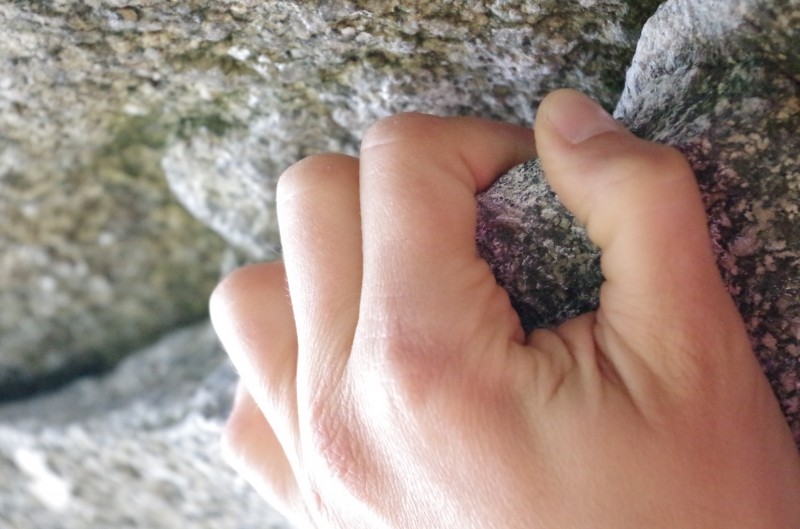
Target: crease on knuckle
(335, 446)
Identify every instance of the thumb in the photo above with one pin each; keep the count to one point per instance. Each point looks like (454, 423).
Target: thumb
(663, 297)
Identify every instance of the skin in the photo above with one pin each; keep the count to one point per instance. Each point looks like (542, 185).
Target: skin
(386, 381)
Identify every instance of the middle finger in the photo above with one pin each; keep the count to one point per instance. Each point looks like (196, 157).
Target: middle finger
(320, 226)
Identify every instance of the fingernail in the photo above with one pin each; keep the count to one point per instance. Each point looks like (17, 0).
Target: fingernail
(577, 118)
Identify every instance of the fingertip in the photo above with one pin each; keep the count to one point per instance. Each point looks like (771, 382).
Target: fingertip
(236, 298)
(486, 148)
(573, 117)
(603, 173)
(314, 171)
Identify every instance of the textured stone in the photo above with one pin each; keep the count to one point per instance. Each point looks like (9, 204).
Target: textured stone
(719, 80)
(96, 256)
(538, 251)
(316, 75)
(138, 447)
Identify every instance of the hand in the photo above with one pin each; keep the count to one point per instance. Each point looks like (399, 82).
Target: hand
(392, 386)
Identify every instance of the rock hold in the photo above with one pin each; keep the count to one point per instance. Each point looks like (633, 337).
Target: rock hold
(538, 251)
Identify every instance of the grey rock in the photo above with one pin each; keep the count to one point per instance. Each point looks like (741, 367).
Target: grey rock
(316, 75)
(137, 447)
(96, 256)
(538, 251)
(719, 80)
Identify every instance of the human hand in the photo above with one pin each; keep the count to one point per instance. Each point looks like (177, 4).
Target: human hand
(392, 385)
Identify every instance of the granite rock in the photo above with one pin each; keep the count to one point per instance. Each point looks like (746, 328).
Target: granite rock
(137, 447)
(538, 251)
(719, 80)
(96, 256)
(316, 75)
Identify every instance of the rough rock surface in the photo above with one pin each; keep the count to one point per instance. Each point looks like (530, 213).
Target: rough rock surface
(96, 256)
(538, 251)
(313, 76)
(720, 80)
(137, 448)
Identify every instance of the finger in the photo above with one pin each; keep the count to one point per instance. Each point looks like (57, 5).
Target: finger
(251, 447)
(643, 208)
(320, 226)
(419, 178)
(252, 316)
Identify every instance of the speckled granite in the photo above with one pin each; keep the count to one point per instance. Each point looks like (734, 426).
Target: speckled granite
(314, 76)
(538, 251)
(96, 256)
(720, 80)
(137, 448)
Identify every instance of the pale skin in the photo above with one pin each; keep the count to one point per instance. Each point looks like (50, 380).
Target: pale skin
(386, 381)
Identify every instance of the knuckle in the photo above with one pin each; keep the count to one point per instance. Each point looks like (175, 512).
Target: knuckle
(398, 129)
(672, 157)
(315, 170)
(336, 447)
(412, 367)
(662, 161)
(231, 297)
(242, 279)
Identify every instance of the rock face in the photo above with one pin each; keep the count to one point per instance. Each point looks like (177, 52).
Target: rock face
(136, 448)
(721, 82)
(313, 76)
(96, 257)
(537, 249)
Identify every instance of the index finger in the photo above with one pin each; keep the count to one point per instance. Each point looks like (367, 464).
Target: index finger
(419, 177)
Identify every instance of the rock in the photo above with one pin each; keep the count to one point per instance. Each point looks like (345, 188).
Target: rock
(137, 447)
(315, 76)
(96, 256)
(538, 251)
(719, 80)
